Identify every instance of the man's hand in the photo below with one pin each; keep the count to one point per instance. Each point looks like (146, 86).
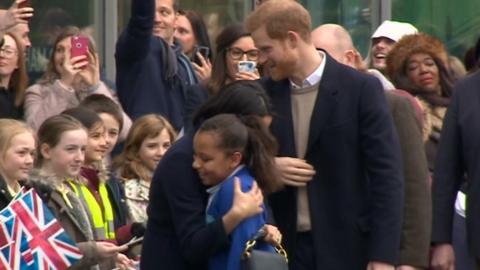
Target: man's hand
(442, 257)
(14, 16)
(294, 171)
(379, 266)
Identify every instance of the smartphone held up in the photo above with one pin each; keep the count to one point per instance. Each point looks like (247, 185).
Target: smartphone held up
(79, 46)
(202, 50)
(247, 66)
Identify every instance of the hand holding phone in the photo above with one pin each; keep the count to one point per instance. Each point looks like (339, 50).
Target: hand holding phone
(247, 66)
(135, 240)
(204, 51)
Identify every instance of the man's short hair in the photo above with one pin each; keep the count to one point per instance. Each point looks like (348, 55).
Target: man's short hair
(279, 17)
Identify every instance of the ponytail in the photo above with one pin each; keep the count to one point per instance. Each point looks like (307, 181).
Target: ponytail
(251, 137)
(260, 153)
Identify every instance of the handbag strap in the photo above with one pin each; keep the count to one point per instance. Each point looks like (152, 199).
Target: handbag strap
(257, 237)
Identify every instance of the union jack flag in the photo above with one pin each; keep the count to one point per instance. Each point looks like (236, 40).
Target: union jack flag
(31, 238)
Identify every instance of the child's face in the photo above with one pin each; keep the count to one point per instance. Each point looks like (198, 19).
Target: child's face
(212, 163)
(96, 145)
(153, 148)
(112, 130)
(66, 158)
(17, 162)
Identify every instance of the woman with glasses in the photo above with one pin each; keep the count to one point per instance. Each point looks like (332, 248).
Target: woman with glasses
(13, 77)
(233, 44)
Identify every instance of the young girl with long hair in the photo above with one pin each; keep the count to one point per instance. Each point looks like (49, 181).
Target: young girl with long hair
(17, 153)
(91, 188)
(227, 148)
(148, 140)
(62, 142)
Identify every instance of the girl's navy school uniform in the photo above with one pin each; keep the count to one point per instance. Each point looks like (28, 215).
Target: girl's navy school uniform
(219, 202)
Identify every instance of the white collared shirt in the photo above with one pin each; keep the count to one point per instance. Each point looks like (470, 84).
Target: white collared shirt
(315, 77)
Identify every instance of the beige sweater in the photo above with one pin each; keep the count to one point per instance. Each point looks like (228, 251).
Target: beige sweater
(303, 102)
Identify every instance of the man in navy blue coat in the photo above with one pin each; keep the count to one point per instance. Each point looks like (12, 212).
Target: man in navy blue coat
(342, 208)
(457, 161)
(152, 71)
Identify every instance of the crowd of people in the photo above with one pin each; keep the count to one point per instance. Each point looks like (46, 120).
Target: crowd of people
(348, 162)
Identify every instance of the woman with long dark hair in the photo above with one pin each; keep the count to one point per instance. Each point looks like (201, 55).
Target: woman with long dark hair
(193, 35)
(233, 44)
(178, 236)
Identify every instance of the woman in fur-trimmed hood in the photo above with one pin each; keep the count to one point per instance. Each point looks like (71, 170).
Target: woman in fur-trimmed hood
(418, 64)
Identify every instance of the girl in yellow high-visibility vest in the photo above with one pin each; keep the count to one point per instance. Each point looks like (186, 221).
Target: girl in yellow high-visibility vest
(91, 189)
(62, 141)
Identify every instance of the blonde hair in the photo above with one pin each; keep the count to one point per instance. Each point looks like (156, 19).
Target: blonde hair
(10, 128)
(279, 17)
(147, 126)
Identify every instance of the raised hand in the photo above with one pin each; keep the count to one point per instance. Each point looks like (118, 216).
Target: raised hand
(90, 74)
(204, 71)
(14, 15)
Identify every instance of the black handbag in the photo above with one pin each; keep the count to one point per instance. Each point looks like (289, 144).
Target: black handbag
(253, 259)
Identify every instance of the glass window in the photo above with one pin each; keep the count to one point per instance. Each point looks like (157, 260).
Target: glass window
(49, 18)
(354, 15)
(455, 23)
(216, 13)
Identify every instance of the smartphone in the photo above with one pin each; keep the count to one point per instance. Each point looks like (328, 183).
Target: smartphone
(134, 241)
(247, 66)
(79, 46)
(204, 51)
(24, 4)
